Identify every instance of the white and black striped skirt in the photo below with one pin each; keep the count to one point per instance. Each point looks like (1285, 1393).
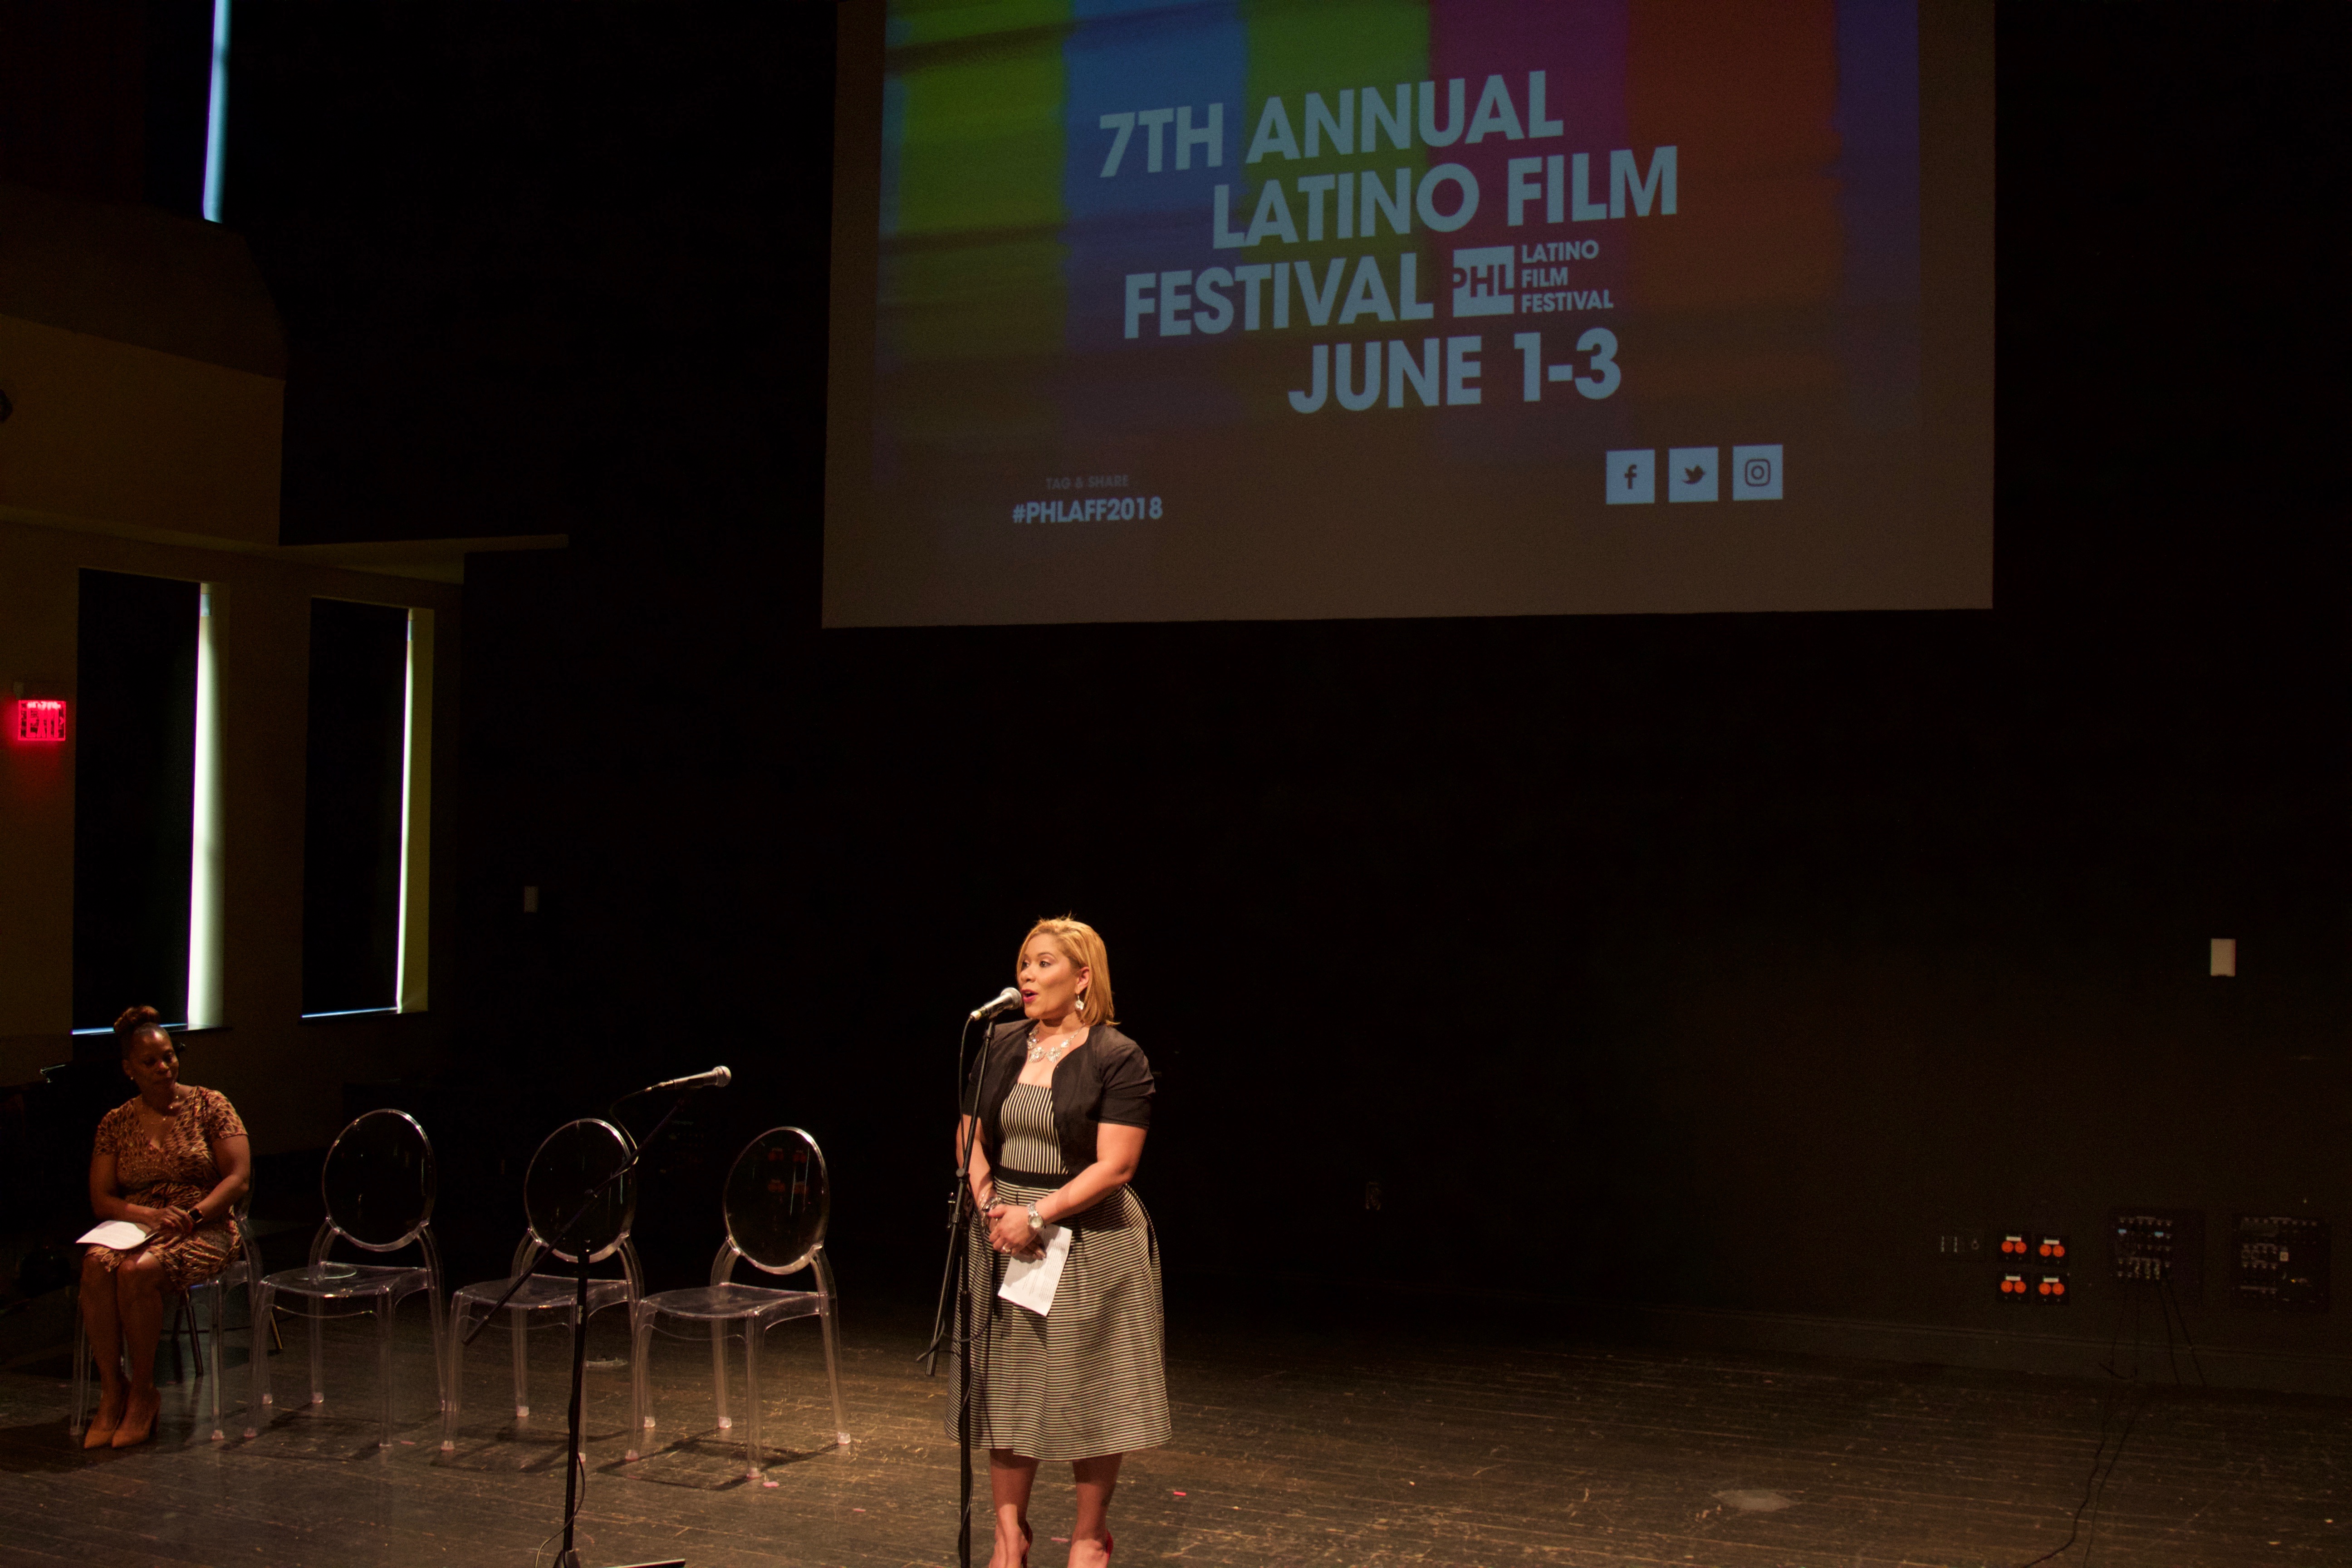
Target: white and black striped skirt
(1088, 1377)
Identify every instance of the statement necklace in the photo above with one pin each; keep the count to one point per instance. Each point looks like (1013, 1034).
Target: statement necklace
(1038, 1053)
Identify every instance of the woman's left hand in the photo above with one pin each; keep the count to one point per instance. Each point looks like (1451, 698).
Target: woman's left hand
(1009, 1231)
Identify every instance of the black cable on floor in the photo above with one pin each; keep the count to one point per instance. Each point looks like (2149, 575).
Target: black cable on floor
(2095, 1483)
(2186, 1339)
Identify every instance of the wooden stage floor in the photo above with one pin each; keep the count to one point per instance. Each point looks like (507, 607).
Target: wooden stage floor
(1298, 1441)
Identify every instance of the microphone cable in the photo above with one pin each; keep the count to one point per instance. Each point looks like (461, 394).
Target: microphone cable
(2132, 1401)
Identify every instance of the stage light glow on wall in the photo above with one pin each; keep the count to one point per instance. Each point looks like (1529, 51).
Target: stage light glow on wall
(208, 835)
(41, 720)
(1410, 307)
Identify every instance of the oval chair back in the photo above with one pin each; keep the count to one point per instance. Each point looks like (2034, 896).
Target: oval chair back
(379, 1184)
(777, 1201)
(581, 1164)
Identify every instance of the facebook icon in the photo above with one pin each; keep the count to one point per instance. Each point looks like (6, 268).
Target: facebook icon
(1633, 478)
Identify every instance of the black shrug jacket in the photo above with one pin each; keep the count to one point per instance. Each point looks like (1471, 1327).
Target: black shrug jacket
(1109, 1078)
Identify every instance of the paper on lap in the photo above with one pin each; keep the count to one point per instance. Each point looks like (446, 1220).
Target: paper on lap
(119, 1234)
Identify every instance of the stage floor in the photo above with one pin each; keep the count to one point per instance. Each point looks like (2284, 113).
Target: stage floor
(1300, 1440)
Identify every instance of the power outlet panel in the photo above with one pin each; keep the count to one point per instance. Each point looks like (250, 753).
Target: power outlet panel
(2278, 1263)
(2158, 1247)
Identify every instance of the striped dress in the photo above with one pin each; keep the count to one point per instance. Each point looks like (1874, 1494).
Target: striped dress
(1086, 1378)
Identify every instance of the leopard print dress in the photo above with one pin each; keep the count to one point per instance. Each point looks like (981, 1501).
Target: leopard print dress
(174, 1170)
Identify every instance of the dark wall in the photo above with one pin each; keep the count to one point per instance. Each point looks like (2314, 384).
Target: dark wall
(1707, 960)
(353, 772)
(72, 96)
(134, 795)
(107, 98)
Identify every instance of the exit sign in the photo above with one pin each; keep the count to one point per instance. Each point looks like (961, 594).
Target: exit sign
(41, 719)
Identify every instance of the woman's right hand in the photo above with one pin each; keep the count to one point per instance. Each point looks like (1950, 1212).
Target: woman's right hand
(162, 1222)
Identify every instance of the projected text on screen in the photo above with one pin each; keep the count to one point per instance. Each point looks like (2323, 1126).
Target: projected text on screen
(1220, 310)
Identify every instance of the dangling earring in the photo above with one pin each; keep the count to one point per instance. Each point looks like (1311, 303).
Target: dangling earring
(1082, 1002)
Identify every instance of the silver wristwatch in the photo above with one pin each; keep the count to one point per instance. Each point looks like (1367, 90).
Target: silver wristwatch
(1036, 1222)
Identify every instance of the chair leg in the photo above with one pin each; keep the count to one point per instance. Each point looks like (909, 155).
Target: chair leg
(641, 1420)
(719, 1372)
(383, 1363)
(81, 1358)
(195, 1332)
(518, 1329)
(833, 1374)
(440, 1322)
(318, 1351)
(265, 1311)
(213, 1348)
(751, 1454)
(453, 1396)
(169, 1338)
(195, 1361)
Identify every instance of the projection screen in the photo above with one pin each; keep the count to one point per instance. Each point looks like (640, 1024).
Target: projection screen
(1371, 308)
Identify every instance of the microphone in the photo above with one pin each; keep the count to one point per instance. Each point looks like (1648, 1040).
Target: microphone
(717, 1077)
(1002, 1001)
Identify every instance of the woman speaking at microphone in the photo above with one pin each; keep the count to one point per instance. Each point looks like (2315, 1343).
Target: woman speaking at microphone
(1064, 1101)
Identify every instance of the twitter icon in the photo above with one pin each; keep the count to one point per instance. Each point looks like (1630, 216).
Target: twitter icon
(1691, 473)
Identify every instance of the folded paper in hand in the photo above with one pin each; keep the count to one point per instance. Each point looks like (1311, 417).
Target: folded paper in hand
(119, 1234)
(1029, 1282)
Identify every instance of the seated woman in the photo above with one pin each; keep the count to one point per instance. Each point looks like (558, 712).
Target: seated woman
(175, 1159)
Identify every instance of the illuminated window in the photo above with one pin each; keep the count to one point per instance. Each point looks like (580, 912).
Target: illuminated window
(366, 813)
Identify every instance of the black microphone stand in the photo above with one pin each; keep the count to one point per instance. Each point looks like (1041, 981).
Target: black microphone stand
(956, 1279)
(573, 1459)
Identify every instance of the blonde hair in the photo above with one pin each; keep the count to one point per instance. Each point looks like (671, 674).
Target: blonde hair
(1082, 946)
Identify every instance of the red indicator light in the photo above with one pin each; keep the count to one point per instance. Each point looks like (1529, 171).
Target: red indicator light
(41, 720)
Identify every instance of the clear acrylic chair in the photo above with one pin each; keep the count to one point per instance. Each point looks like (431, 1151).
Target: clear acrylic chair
(775, 1206)
(206, 1360)
(379, 1186)
(572, 1160)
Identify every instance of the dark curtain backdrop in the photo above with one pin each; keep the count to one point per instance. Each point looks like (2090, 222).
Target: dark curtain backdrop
(1713, 960)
